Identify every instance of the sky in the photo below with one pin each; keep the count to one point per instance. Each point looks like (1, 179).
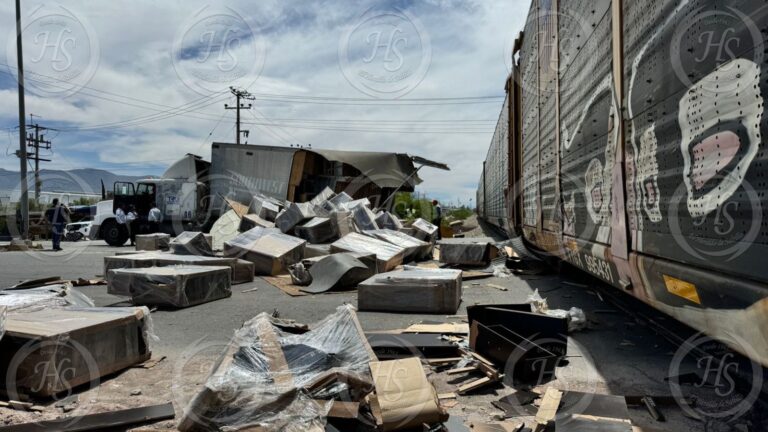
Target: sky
(133, 86)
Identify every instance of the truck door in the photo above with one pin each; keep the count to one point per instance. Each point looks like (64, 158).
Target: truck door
(124, 194)
(145, 198)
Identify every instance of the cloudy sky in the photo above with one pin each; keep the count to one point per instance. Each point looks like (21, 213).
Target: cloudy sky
(133, 86)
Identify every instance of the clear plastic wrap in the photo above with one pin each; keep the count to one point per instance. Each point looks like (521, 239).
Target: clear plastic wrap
(251, 221)
(51, 296)
(340, 199)
(191, 243)
(364, 219)
(81, 344)
(271, 381)
(387, 220)
(424, 230)
(317, 230)
(351, 205)
(325, 195)
(240, 273)
(467, 251)
(295, 214)
(388, 256)
(412, 291)
(415, 249)
(265, 207)
(153, 242)
(270, 250)
(175, 286)
(342, 222)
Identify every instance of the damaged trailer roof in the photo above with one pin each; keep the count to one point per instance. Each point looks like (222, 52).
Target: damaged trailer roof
(269, 169)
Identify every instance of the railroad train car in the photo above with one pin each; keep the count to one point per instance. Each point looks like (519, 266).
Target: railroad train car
(631, 146)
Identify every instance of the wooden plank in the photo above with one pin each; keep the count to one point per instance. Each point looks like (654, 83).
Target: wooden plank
(463, 370)
(474, 385)
(100, 421)
(549, 406)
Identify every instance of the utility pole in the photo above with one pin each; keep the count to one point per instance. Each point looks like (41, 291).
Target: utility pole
(22, 130)
(240, 94)
(37, 141)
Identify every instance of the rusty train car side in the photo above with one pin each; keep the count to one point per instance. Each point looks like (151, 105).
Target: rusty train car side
(631, 146)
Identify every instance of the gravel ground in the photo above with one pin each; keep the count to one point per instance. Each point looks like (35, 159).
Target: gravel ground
(616, 355)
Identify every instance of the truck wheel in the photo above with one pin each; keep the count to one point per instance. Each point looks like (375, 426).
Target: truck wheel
(112, 234)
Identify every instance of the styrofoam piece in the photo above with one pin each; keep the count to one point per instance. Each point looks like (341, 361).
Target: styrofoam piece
(415, 291)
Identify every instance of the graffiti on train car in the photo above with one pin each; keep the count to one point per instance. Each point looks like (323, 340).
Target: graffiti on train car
(695, 159)
(590, 259)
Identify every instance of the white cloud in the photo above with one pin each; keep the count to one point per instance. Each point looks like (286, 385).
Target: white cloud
(469, 41)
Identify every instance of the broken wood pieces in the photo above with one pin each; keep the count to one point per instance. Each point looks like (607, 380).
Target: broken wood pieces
(100, 421)
(548, 408)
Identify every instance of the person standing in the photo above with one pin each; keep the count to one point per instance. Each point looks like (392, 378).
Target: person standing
(155, 218)
(58, 217)
(122, 220)
(438, 218)
(132, 219)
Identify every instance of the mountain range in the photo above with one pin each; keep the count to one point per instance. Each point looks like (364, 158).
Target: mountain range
(86, 180)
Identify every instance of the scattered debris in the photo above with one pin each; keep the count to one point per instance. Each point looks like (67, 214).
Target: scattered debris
(443, 328)
(269, 379)
(250, 290)
(100, 421)
(548, 408)
(337, 272)
(397, 346)
(404, 398)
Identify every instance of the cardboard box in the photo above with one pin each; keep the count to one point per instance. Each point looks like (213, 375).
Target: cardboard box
(415, 249)
(270, 250)
(153, 242)
(73, 346)
(404, 398)
(317, 230)
(466, 251)
(388, 256)
(412, 291)
(251, 221)
(191, 243)
(176, 286)
(294, 215)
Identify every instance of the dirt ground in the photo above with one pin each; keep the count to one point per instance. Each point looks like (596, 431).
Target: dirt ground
(616, 355)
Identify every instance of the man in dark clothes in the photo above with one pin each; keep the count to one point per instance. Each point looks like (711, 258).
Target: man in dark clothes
(58, 217)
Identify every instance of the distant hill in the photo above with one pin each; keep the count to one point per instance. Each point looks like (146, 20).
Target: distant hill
(85, 180)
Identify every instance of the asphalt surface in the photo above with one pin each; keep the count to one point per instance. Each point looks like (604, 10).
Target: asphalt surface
(617, 354)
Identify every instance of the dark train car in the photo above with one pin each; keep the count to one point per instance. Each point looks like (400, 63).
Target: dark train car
(635, 152)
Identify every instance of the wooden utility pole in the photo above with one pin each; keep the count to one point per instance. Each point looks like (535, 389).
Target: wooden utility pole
(22, 130)
(240, 94)
(37, 141)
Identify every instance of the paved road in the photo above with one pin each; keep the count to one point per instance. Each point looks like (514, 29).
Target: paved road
(616, 356)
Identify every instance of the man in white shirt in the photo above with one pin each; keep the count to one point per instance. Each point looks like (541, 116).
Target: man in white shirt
(122, 220)
(154, 218)
(133, 224)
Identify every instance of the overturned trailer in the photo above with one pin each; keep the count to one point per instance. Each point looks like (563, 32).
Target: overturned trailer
(192, 194)
(298, 175)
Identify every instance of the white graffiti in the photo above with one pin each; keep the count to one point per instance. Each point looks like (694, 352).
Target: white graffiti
(706, 148)
(647, 172)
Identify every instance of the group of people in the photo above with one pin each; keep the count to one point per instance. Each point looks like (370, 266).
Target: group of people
(129, 220)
